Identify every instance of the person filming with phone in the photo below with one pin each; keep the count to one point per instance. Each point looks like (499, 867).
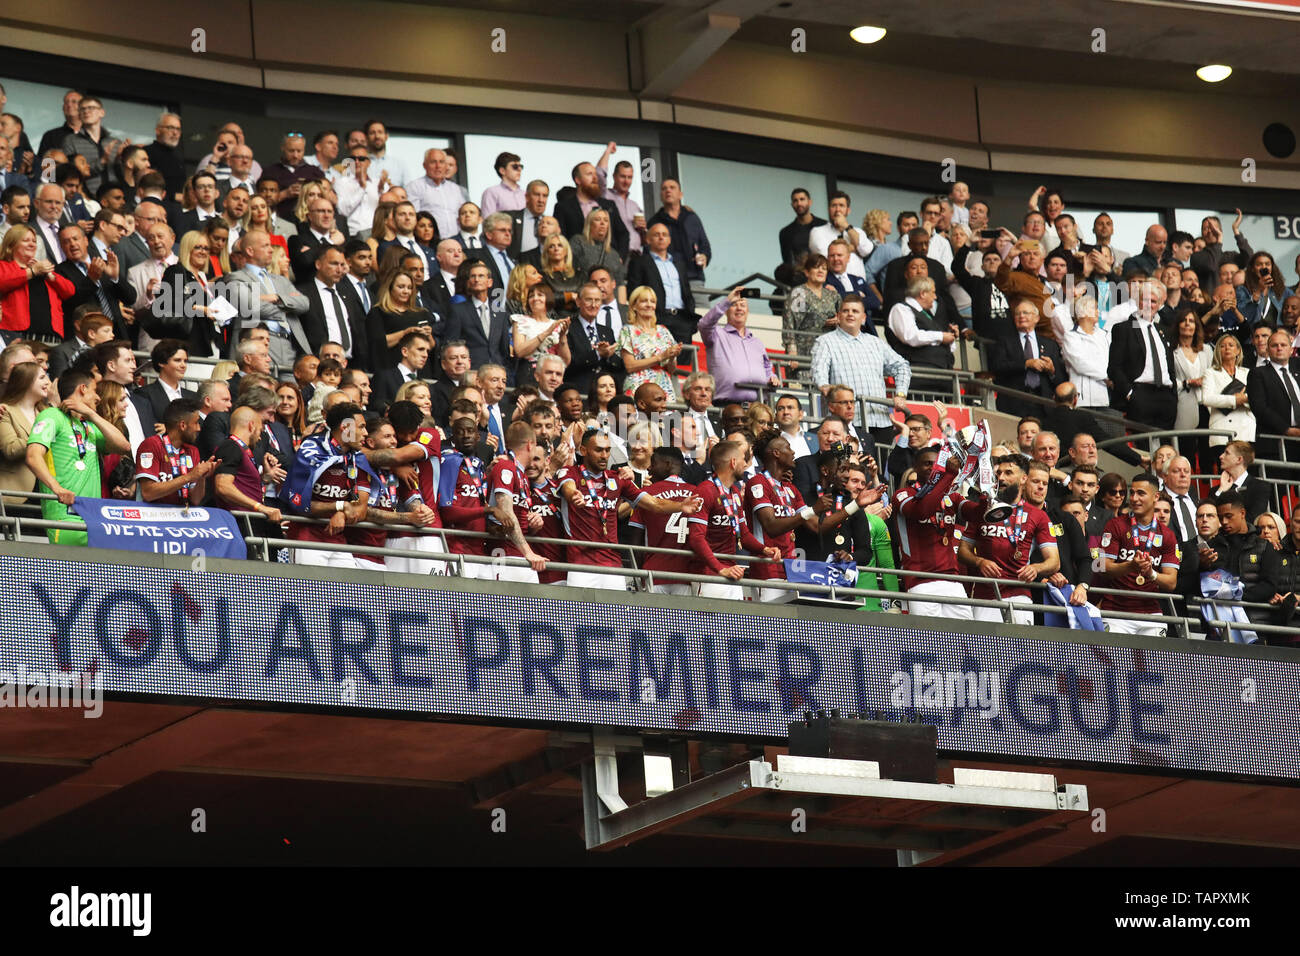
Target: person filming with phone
(736, 357)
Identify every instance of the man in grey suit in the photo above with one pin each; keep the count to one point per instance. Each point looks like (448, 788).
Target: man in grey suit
(268, 300)
(134, 249)
(484, 326)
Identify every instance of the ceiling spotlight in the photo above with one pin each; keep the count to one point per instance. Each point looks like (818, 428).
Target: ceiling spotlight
(867, 34)
(1214, 72)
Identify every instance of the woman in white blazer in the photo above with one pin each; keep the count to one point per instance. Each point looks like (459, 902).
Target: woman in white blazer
(1229, 410)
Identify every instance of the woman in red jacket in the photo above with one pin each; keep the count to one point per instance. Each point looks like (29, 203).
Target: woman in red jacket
(31, 292)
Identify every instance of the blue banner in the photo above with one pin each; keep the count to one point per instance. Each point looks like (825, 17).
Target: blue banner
(396, 642)
(160, 529)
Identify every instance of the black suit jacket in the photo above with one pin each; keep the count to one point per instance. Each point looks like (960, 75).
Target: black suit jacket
(587, 363)
(440, 394)
(1256, 494)
(186, 222)
(517, 235)
(1271, 405)
(488, 256)
(62, 356)
(384, 385)
(118, 293)
(463, 323)
(157, 400)
(1007, 361)
(214, 430)
(1128, 355)
(895, 288)
(315, 326)
(571, 219)
(641, 270)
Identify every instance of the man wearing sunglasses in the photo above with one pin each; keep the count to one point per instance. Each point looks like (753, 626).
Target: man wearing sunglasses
(507, 195)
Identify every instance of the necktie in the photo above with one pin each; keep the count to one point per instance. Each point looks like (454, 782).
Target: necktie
(1031, 377)
(56, 251)
(472, 242)
(363, 294)
(608, 316)
(1157, 369)
(591, 333)
(494, 425)
(506, 264)
(100, 294)
(1185, 512)
(345, 338)
(1289, 384)
(485, 317)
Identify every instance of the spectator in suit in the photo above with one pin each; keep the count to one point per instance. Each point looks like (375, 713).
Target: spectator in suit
(12, 179)
(1235, 459)
(592, 346)
(807, 472)
(356, 286)
(789, 419)
(91, 329)
(441, 285)
(1142, 363)
(180, 309)
(839, 278)
(613, 314)
(547, 226)
(171, 361)
(267, 300)
(482, 325)
(897, 274)
(16, 204)
(917, 432)
(1274, 391)
(1026, 361)
(45, 223)
(571, 211)
(524, 222)
(469, 219)
(132, 248)
(318, 232)
(206, 194)
(328, 317)
(146, 278)
(453, 373)
(414, 349)
(1183, 504)
(495, 249)
(1085, 484)
(98, 280)
(666, 276)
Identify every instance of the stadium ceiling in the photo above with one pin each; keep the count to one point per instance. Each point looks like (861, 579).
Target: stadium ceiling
(1149, 44)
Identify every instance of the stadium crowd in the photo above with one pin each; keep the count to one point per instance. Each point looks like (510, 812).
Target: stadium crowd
(392, 355)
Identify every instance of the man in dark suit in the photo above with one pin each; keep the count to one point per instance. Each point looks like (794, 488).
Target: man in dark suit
(1235, 459)
(1066, 418)
(591, 344)
(415, 348)
(483, 327)
(453, 370)
(207, 196)
(839, 277)
(524, 221)
(495, 248)
(356, 287)
(649, 269)
(1183, 504)
(1025, 361)
(1141, 365)
(328, 317)
(99, 282)
(320, 230)
(170, 359)
(1274, 392)
(894, 289)
(569, 212)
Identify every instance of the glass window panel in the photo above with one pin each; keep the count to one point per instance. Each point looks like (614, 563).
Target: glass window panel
(1130, 227)
(409, 149)
(1260, 231)
(40, 107)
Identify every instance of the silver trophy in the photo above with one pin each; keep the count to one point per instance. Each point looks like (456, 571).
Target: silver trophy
(973, 453)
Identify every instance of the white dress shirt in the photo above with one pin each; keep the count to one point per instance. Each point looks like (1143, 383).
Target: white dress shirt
(609, 315)
(798, 442)
(408, 243)
(941, 251)
(1087, 356)
(358, 203)
(528, 232)
(334, 321)
(902, 322)
(472, 240)
(819, 240)
(1148, 376)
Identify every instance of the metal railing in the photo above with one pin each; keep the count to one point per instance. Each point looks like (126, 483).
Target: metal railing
(1184, 625)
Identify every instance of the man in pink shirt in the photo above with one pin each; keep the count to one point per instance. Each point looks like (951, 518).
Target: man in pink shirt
(505, 196)
(735, 355)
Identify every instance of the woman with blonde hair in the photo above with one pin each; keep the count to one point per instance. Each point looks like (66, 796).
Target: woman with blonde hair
(262, 216)
(1271, 528)
(416, 391)
(394, 315)
(649, 350)
(1224, 393)
(760, 417)
(184, 314)
(522, 278)
(558, 271)
(311, 189)
(26, 395)
(222, 371)
(592, 248)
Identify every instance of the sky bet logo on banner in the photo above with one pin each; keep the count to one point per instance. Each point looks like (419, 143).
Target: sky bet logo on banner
(164, 529)
(236, 636)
